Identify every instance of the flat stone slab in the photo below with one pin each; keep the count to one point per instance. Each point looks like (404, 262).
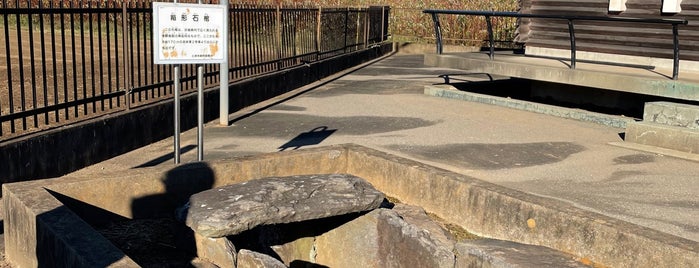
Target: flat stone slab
(235, 208)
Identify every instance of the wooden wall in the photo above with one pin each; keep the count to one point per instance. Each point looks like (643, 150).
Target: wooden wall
(611, 37)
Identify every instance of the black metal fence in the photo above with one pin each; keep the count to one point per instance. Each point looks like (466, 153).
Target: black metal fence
(67, 61)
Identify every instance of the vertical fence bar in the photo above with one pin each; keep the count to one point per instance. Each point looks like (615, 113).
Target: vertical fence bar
(676, 52)
(383, 22)
(143, 70)
(64, 62)
(141, 41)
(235, 40)
(345, 35)
(9, 68)
(30, 18)
(437, 33)
(21, 69)
(82, 55)
(571, 31)
(100, 54)
(257, 53)
(126, 52)
(54, 62)
(247, 46)
(491, 36)
(109, 55)
(75, 61)
(137, 72)
(367, 28)
(43, 64)
(92, 56)
(278, 24)
(245, 42)
(319, 32)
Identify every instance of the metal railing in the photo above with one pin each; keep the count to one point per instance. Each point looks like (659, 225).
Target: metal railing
(67, 61)
(571, 29)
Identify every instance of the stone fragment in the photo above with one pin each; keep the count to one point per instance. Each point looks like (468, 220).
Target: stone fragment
(417, 217)
(302, 249)
(353, 244)
(235, 208)
(403, 230)
(219, 251)
(499, 253)
(251, 259)
(405, 245)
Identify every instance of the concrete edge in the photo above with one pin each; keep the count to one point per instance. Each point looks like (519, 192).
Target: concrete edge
(657, 150)
(49, 231)
(497, 212)
(481, 207)
(450, 92)
(663, 87)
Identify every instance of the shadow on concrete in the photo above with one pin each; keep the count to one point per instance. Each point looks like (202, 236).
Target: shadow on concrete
(493, 156)
(313, 137)
(166, 157)
(180, 183)
(152, 237)
(163, 216)
(51, 250)
(95, 216)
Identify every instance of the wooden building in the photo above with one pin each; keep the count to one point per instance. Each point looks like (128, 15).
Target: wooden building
(634, 43)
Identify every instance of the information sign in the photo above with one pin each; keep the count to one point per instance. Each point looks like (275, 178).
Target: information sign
(189, 33)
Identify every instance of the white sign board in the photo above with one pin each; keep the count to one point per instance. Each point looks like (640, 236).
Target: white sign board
(189, 33)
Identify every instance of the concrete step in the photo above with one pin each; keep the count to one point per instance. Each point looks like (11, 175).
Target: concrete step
(664, 136)
(672, 114)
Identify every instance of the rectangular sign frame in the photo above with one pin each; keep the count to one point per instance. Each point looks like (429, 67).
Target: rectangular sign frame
(189, 33)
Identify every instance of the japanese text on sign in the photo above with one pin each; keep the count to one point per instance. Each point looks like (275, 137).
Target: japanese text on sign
(189, 33)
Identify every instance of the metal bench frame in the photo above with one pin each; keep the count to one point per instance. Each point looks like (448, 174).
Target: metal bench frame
(571, 29)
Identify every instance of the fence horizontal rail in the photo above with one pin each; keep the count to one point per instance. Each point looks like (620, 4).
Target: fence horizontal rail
(66, 63)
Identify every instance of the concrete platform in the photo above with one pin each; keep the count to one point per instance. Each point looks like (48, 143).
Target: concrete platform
(625, 79)
(383, 106)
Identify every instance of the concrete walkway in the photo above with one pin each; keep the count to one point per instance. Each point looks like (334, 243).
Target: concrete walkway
(382, 106)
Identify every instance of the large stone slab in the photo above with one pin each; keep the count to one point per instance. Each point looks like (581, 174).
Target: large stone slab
(235, 208)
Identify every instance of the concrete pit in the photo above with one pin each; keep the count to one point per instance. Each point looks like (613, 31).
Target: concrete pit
(53, 222)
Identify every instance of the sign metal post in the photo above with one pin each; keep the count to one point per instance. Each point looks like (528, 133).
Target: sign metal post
(190, 34)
